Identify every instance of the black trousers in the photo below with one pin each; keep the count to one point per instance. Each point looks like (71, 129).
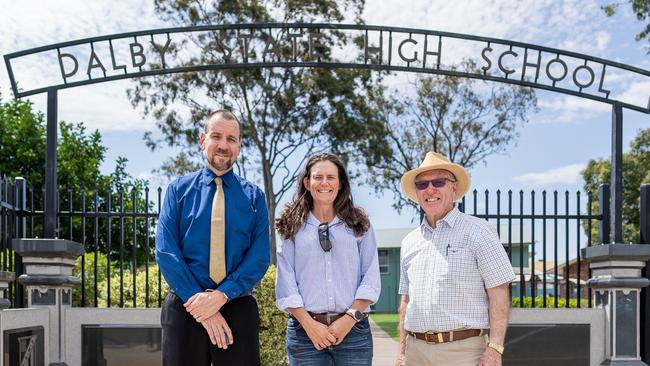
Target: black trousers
(185, 342)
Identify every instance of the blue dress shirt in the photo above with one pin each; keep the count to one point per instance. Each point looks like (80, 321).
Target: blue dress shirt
(330, 281)
(183, 235)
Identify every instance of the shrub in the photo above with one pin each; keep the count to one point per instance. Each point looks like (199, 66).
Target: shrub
(273, 323)
(144, 297)
(550, 302)
(89, 279)
(126, 281)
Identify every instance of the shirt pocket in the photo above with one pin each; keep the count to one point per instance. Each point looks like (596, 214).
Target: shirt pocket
(243, 222)
(459, 256)
(463, 269)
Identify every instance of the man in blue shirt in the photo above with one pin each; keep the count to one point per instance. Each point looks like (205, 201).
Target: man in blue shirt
(206, 322)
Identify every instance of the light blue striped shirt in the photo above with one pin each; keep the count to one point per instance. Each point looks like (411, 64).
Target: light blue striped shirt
(322, 281)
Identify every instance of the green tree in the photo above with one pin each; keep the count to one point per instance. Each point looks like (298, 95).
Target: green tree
(82, 187)
(22, 150)
(636, 172)
(287, 114)
(79, 156)
(22, 141)
(465, 119)
(640, 8)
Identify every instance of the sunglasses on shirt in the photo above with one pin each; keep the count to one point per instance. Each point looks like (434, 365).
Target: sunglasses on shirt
(324, 237)
(437, 183)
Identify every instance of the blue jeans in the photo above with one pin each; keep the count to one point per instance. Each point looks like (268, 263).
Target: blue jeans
(356, 348)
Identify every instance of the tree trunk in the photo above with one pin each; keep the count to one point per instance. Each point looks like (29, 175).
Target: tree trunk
(270, 204)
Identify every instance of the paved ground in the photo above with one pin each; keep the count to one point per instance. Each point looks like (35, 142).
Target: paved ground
(384, 347)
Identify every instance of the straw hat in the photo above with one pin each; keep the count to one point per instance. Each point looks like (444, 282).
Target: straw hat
(435, 161)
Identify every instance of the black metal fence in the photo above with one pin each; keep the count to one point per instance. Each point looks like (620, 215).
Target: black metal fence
(12, 225)
(545, 222)
(117, 229)
(120, 227)
(543, 233)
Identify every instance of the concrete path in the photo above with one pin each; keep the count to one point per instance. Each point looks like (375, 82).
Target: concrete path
(384, 347)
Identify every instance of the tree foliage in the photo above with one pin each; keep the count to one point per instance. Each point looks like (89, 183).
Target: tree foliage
(465, 119)
(286, 114)
(640, 8)
(79, 152)
(636, 172)
(82, 186)
(22, 141)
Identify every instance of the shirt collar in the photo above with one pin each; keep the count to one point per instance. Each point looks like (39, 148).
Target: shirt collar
(311, 219)
(449, 220)
(207, 176)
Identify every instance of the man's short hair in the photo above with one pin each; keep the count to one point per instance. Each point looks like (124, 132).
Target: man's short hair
(223, 113)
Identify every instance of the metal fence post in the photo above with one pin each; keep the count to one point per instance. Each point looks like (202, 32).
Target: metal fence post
(644, 224)
(51, 185)
(616, 176)
(603, 204)
(20, 202)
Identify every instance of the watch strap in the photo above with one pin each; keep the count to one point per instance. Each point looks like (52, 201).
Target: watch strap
(496, 346)
(352, 313)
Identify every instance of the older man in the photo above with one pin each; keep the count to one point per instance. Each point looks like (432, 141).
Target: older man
(212, 245)
(454, 276)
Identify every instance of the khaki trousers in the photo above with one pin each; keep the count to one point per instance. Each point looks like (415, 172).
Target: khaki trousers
(466, 352)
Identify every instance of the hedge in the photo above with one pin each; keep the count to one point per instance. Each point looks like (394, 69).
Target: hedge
(550, 302)
(273, 322)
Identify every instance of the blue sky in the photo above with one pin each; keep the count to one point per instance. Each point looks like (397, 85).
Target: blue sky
(550, 153)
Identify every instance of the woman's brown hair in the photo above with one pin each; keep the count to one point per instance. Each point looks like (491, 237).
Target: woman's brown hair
(294, 214)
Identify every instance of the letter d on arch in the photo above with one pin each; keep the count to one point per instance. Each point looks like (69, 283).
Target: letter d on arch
(76, 65)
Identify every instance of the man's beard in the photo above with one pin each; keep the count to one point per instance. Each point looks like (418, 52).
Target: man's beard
(221, 166)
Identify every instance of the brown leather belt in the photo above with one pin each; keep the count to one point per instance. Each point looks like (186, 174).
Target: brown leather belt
(443, 337)
(326, 318)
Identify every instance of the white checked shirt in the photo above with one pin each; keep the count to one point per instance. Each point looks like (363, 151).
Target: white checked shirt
(446, 270)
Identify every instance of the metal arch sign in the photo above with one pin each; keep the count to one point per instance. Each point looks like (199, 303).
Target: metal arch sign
(248, 46)
(253, 46)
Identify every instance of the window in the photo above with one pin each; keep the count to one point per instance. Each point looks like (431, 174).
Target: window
(383, 261)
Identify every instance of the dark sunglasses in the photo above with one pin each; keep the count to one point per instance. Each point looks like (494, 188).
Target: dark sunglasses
(437, 183)
(324, 237)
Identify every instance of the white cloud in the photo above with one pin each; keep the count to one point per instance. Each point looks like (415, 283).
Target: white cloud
(569, 174)
(569, 109)
(602, 40)
(638, 94)
(105, 109)
(566, 24)
(38, 23)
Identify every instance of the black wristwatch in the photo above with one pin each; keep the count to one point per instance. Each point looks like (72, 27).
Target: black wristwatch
(355, 314)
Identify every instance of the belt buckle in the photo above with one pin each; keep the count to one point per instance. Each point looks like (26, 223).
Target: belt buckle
(439, 337)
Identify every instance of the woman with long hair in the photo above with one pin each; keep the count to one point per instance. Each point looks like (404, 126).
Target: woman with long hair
(328, 272)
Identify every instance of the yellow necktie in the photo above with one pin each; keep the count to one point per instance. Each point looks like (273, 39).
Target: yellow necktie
(218, 235)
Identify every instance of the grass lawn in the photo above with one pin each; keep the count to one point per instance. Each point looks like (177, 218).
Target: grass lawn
(387, 322)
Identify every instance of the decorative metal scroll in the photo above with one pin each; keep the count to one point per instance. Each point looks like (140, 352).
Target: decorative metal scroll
(246, 46)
